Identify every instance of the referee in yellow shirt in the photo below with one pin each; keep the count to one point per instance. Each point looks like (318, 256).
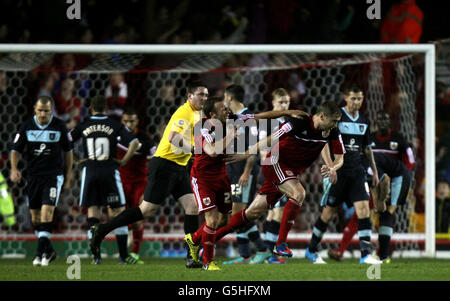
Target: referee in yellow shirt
(168, 173)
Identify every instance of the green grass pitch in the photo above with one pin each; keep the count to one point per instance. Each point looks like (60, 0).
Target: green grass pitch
(162, 269)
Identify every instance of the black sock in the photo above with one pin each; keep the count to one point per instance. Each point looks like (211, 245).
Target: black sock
(318, 231)
(265, 225)
(122, 245)
(91, 221)
(190, 223)
(126, 217)
(47, 245)
(39, 249)
(243, 246)
(271, 235)
(364, 233)
(190, 226)
(254, 237)
(41, 246)
(385, 233)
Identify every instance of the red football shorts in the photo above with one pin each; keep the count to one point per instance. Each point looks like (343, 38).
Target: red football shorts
(134, 192)
(274, 175)
(212, 193)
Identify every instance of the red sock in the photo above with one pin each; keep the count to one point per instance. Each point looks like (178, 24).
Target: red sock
(290, 213)
(197, 236)
(349, 231)
(236, 221)
(137, 240)
(208, 240)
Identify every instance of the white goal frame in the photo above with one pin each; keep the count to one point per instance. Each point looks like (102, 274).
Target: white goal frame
(427, 49)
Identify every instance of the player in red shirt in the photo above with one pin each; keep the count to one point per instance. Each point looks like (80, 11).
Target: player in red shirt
(134, 174)
(209, 178)
(300, 142)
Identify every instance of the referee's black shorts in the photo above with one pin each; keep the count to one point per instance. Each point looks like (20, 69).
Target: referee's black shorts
(166, 177)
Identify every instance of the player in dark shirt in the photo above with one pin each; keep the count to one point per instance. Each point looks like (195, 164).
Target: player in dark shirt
(42, 140)
(295, 146)
(101, 184)
(395, 181)
(351, 185)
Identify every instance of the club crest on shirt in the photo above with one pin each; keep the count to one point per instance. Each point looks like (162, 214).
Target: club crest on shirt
(206, 201)
(289, 173)
(52, 136)
(325, 134)
(361, 128)
(393, 145)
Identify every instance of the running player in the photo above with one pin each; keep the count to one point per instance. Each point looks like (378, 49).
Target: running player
(300, 143)
(168, 173)
(209, 178)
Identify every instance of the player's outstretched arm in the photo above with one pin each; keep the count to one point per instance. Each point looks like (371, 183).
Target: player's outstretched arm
(272, 114)
(252, 151)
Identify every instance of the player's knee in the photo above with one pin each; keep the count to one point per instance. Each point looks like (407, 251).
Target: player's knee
(213, 224)
(148, 209)
(299, 195)
(327, 214)
(362, 211)
(253, 213)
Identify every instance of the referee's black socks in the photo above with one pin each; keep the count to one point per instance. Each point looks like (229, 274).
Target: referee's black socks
(190, 226)
(190, 223)
(126, 217)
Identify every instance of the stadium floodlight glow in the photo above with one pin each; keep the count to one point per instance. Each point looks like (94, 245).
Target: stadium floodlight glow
(428, 50)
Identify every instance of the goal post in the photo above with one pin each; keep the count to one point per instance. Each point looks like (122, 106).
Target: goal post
(428, 50)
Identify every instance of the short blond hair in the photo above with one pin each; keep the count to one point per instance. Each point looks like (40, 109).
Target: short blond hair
(280, 92)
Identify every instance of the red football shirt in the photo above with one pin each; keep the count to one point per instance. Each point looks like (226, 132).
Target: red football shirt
(300, 143)
(205, 166)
